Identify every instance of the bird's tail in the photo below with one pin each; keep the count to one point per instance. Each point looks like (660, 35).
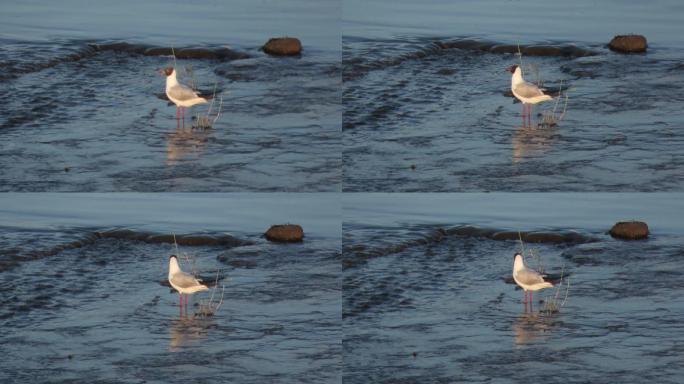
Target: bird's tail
(206, 95)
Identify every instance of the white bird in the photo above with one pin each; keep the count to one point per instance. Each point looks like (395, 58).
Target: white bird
(179, 94)
(528, 279)
(183, 282)
(526, 92)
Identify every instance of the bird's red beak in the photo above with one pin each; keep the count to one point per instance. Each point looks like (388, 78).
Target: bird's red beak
(510, 69)
(161, 72)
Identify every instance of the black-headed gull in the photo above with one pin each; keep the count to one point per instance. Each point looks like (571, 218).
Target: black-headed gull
(179, 94)
(183, 282)
(528, 279)
(526, 92)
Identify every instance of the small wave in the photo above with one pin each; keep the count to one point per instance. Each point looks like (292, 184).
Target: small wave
(358, 67)
(14, 68)
(358, 254)
(13, 258)
(211, 53)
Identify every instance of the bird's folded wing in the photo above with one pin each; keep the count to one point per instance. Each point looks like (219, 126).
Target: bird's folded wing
(184, 280)
(528, 90)
(529, 277)
(181, 92)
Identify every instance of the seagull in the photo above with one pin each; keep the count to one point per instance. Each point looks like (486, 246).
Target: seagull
(183, 282)
(526, 92)
(181, 95)
(528, 279)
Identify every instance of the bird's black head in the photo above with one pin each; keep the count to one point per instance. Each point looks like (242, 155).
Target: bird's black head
(512, 68)
(166, 71)
(516, 255)
(173, 257)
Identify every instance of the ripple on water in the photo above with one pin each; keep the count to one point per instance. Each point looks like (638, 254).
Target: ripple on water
(92, 307)
(421, 115)
(81, 109)
(438, 307)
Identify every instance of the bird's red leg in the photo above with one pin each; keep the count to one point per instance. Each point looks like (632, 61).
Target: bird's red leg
(529, 115)
(523, 123)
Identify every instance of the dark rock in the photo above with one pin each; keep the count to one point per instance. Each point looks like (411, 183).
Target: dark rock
(471, 231)
(161, 238)
(628, 43)
(506, 235)
(197, 53)
(124, 234)
(158, 51)
(121, 47)
(210, 53)
(503, 48)
(283, 46)
(285, 233)
(544, 237)
(630, 230)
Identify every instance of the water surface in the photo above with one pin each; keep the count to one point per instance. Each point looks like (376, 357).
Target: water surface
(424, 111)
(92, 120)
(84, 300)
(425, 299)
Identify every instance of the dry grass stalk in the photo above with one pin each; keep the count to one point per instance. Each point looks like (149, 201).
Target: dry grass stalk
(190, 259)
(551, 304)
(548, 118)
(206, 307)
(205, 121)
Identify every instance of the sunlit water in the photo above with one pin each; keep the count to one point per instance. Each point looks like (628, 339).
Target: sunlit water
(84, 120)
(83, 303)
(424, 304)
(424, 114)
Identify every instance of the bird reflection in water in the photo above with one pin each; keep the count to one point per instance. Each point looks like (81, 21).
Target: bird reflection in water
(187, 331)
(530, 141)
(185, 143)
(532, 326)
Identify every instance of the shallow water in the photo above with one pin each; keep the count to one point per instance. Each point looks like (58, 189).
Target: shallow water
(423, 112)
(88, 120)
(97, 310)
(419, 306)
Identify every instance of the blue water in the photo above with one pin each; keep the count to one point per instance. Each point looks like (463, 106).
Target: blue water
(98, 121)
(239, 23)
(424, 304)
(84, 307)
(516, 21)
